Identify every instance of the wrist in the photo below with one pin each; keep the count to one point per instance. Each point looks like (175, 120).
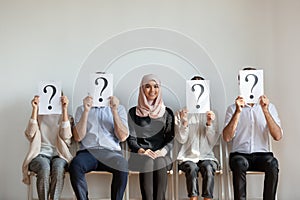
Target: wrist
(35, 109)
(86, 110)
(238, 111)
(141, 150)
(114, 109)
(64, 110)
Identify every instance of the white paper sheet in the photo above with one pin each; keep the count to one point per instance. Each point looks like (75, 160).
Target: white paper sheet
(50, 93)
(101, 88)
(251, 85)
(197, 96)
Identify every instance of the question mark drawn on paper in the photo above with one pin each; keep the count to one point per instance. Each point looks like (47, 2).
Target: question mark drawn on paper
(255, 82)
(105, 85)
(52, 95)
(202, 90)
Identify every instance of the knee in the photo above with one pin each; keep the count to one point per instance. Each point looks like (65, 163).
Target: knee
(160, 163)
(74, 167)
(208, 170)
(58, 172)
(239, 163)
(191, 169)
(43, 172)
(272, 165)
(43, 169)
(122, 164)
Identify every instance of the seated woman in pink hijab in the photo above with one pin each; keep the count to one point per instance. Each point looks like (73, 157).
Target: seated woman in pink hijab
(151, 127)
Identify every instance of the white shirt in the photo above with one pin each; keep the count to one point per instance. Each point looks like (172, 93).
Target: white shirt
(252, 132)
(197, 139)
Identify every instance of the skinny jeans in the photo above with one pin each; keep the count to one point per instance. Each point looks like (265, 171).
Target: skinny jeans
(50, 173)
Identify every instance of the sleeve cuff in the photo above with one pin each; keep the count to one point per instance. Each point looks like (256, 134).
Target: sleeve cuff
(65, 124)
(209, 128)
(33, 121)
(163, 151)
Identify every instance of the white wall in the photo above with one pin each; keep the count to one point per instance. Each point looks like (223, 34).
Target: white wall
(51, 40)
(285, 90)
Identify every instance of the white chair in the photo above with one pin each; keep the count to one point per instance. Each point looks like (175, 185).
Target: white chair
(218, 151)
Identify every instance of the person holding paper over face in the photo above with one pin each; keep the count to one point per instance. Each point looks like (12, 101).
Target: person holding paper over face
(50, 137)
(99, 130)
(248, 126)
(151, 126)
(197, 133)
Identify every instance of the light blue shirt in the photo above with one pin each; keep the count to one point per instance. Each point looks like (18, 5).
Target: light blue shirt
(100, 128)
(252, 132)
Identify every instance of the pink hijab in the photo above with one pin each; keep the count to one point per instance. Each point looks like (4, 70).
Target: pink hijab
(144, 108)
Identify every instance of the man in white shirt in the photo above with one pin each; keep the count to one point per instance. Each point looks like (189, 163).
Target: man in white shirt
(248, 127)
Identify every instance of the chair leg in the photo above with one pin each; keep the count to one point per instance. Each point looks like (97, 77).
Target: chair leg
(220, 188)
(229, 185)
(176, 174)
(29, 189)
(171, 187)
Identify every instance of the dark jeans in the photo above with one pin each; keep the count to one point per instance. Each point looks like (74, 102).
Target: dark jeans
(207, 169)
(264, 162)
(153, 175)
(93, 160)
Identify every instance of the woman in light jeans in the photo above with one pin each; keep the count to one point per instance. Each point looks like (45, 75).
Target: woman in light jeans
(48, 155)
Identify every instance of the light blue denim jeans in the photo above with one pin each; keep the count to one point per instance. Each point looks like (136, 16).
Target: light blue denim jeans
(50, 173)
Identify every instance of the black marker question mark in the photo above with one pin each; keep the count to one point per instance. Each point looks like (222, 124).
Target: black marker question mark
(202, 90)
(105, 85)
(52, 95)
(255, 82)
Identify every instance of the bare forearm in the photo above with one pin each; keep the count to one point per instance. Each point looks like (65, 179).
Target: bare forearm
(275, 130)
(79, 130)
(229, 130)
(34, 113)
(121, 130)
(65, 116)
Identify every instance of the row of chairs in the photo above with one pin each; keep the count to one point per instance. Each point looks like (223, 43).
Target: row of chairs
(174, 175)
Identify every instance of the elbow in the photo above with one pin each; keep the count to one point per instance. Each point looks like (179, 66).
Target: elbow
(226, 138)
(124, 138)
(278, 135)
(77, 139)
(277, 138)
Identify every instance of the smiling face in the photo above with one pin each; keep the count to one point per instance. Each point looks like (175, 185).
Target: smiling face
(151, 90)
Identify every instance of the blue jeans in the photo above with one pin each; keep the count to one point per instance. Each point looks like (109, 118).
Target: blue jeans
(99, 160)
(240, 163)
(207, 169)
(50, 172)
